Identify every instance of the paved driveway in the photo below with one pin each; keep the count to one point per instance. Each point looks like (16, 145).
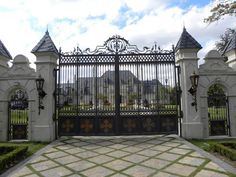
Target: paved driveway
(138, 156)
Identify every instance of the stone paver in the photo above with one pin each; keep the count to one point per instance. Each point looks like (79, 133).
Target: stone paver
(207, 173)
(139, 171)
(139, 156)
(44, 165)
(118, 154)
(180, 151)
(100, 159)
(213, 166)
(168, 156)
(156, 163)
(97, 172)
(59, 171)
(180, 169)
(135, 158)
(163, 174)
(118, 164)
(81, 165)
(192, 161)
(67, 159)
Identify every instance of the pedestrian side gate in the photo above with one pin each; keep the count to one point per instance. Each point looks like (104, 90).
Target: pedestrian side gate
(117, 89)
(18, 115)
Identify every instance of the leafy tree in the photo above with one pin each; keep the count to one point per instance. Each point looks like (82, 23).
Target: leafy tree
(223, 7)
(216, 95)
(224, 39)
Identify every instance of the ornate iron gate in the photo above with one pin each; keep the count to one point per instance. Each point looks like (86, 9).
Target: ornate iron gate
(117, 89)
(218, 115)
(18, 115)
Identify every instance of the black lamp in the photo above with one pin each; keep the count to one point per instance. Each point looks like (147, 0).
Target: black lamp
(194, 78)
(41, 93)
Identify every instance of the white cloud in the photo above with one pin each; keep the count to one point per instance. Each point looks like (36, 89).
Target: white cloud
(90, 23)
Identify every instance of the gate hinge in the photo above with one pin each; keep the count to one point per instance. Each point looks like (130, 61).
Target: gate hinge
(54, 71)
(227, 100)
(179, 69)
(181, 114)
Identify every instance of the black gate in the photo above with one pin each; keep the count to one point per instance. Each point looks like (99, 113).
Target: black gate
(18, 115)
(117, 89)
(218, 115)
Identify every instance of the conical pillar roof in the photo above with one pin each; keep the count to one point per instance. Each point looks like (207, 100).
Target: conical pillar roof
(45, 45)
(186, 41)
(3, 51)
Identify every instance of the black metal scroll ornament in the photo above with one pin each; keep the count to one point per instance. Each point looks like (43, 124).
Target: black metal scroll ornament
(116, 45)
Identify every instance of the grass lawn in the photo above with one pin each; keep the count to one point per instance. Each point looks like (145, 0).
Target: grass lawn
(206, 145)
(32, 148)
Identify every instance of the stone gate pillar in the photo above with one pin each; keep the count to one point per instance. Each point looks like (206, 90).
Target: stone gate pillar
(46, 60)
(5, 57)
(186, 56)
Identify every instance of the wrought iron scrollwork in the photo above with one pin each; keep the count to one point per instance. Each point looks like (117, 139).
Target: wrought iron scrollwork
(116, 45)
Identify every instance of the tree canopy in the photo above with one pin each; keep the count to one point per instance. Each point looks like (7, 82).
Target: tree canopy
(222, 8)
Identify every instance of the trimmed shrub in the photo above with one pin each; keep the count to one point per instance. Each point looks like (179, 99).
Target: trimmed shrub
(225, 150)
(10, 157)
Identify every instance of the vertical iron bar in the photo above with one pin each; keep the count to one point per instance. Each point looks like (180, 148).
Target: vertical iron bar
(178, 101)
(228, 115)
(9, 121)
(117, 93)
(55, 105)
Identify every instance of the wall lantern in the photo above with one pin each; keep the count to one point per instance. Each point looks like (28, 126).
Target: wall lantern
(193, 90)
(41, 94)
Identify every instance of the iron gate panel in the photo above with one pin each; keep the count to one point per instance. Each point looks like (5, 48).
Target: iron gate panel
(218, 115)
(117, 89)
(18, 115)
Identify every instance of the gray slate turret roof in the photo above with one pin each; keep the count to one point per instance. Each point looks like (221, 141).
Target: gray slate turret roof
(186, 41)
(4, 52)
(45, 45)
(231, 44)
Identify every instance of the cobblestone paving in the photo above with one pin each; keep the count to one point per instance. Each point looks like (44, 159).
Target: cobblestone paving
(157, 156)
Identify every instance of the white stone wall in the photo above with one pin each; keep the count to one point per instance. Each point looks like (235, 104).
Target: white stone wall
(19, 76)
(191, 122)
(213, 71)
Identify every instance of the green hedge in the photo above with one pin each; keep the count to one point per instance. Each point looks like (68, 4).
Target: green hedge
(224, 150)
(6, 149)
(15, 152)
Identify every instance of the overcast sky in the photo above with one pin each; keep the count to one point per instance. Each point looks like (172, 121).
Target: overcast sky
(89, 23)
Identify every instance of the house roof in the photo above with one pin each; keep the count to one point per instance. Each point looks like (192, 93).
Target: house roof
(186, 41)
(4, 52)
(231, 44)
(45, 45)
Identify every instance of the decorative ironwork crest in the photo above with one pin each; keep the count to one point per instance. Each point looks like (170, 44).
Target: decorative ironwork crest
(86, 125)
(68, 125)
(116, 45)
(106, 125)
(130, 124)
(148, 124)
